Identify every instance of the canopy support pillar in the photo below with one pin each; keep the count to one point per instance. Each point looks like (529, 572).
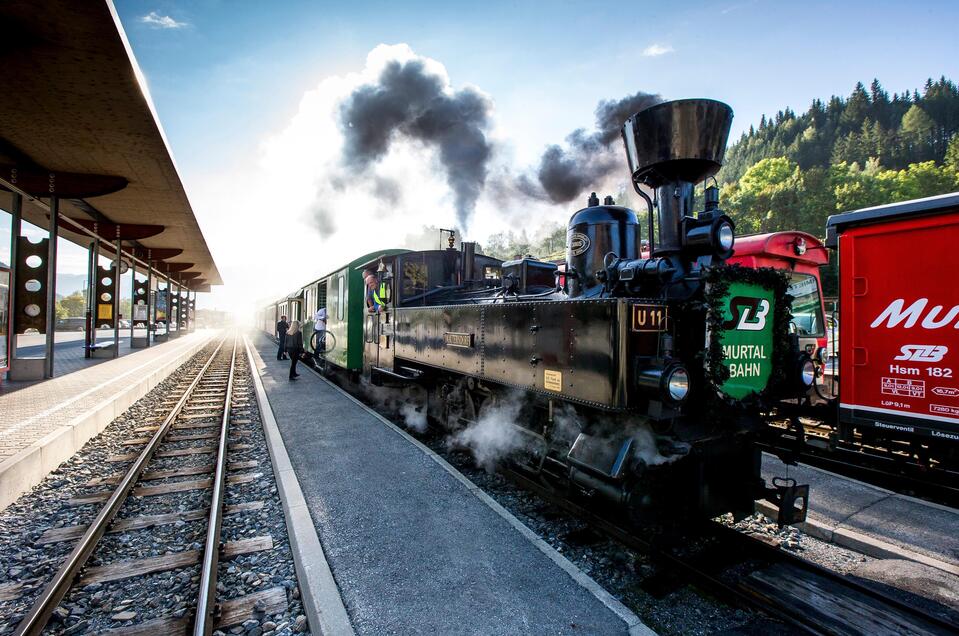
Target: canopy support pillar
(51, 318)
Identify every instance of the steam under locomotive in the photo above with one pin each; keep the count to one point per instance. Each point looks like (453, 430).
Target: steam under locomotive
(641, 376)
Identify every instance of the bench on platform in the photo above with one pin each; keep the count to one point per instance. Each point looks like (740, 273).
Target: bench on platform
(101, 350)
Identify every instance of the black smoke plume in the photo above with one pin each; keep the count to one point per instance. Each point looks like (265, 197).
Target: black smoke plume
(409, 102)
(566, 172)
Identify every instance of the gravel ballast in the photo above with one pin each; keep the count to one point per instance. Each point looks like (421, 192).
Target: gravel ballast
(161, 595)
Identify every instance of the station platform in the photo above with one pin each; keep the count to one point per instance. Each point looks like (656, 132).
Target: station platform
(43, 423)
(412, 545)
(873, 520)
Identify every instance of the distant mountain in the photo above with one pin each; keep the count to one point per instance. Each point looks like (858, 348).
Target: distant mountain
(69, 283)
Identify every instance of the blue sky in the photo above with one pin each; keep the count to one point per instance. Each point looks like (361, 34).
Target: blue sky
(229, 78)
(236, 70)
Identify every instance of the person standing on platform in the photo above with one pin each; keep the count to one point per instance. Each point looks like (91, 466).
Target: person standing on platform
(319, 326)
(282, 326)
(294, 347)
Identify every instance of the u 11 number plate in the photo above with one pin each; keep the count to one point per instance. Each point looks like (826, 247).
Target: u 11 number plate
(649, 318)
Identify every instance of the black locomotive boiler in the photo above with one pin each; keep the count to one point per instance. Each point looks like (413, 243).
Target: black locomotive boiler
(638, 377)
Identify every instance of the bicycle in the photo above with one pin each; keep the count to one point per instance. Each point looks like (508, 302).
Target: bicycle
(322, 342)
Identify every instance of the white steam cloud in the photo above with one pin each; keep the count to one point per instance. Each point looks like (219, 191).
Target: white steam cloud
(413, 418)
(346, 190)
(494, 436)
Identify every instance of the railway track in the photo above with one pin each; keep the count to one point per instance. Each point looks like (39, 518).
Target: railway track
(171, 468)
(807, 597)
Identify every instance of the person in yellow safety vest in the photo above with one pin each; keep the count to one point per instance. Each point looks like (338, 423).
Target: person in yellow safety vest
(375, 292)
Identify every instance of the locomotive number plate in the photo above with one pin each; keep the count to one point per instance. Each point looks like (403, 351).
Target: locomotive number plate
(458, 339)
(649, 317)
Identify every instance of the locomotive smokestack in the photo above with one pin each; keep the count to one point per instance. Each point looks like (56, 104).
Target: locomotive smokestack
(671, 147)
(469, 260)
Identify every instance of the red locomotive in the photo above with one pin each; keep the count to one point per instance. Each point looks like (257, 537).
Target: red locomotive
(801, 254)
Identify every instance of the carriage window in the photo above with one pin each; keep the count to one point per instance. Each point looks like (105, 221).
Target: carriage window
(491, 273)
(334, 300)
(415, 278)
(321, 295)
(807, 306)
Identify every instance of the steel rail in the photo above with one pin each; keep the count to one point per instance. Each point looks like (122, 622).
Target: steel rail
(206, 600)
(42, 609)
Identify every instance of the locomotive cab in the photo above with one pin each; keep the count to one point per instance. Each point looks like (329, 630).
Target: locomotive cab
(419, 279)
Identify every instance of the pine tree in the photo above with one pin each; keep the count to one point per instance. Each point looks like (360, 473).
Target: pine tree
(918, 132)
(857, 108)
(952, 154)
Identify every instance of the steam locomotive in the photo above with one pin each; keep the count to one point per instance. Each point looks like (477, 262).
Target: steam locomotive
(641, 375)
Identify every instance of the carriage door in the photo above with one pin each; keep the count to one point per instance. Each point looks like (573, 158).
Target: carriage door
(385, 331)
(378, 327)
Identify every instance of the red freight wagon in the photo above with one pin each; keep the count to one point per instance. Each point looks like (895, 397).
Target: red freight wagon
(899, 319)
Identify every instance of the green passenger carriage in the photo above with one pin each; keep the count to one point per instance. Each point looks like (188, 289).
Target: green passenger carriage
(341, 293)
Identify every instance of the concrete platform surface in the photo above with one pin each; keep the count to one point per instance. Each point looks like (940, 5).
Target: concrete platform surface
(856, 510)
(44, 423)
(412, 548)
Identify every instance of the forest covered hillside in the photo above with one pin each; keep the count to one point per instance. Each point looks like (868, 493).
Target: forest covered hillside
(793, 170)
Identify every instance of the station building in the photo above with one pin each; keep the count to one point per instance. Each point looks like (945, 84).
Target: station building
(86, 176)
(84, 161)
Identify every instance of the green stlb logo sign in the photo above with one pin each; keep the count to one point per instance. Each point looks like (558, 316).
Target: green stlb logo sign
(747, 338)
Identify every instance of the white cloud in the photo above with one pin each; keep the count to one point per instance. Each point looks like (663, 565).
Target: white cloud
(655, 50)
(158, 21)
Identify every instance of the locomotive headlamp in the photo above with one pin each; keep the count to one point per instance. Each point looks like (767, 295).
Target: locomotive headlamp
(822, 354)
(799, 246)
(677, 383)
(725, 237)
(807, 372)
(707, 235)
(670, 384)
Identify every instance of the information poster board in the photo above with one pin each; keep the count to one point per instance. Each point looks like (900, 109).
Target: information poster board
(139, 313)
(160, 310)
(4, 318)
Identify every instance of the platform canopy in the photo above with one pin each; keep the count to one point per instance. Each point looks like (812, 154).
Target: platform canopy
(76, 120)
